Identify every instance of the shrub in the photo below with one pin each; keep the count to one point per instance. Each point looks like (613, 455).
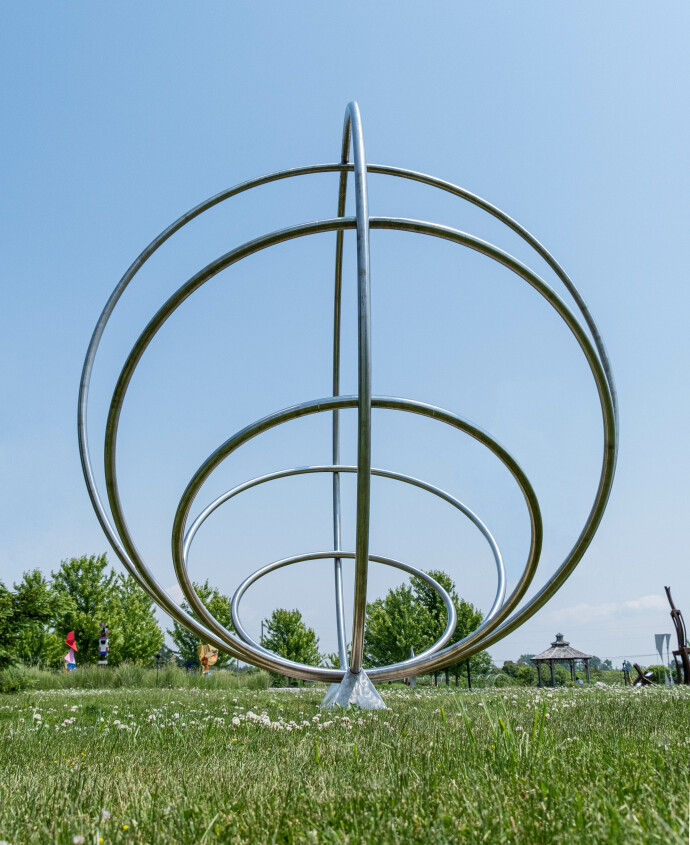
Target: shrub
(129, 676)
(659, 671)
(14, 679)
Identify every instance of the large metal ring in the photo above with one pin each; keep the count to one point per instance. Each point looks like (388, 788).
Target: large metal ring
(333, 225)
(588, 338)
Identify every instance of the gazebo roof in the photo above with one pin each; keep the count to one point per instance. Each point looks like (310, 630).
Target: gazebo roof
(561, 650)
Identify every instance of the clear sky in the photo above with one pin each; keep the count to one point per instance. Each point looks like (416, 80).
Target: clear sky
(570, 117)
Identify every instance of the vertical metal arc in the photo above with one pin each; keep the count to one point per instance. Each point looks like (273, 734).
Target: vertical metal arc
(337, 540)
(353, 130)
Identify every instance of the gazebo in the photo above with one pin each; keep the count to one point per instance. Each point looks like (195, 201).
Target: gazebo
(561, 652)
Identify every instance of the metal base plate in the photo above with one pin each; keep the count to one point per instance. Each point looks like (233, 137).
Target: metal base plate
(354, 689)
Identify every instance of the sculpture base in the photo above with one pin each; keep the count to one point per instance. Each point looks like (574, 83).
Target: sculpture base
(357, 690)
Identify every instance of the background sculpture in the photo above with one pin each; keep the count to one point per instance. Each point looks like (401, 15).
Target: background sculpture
(208, 655)
(681, 655)
(504, 616)
(70, 658)
(103, 645)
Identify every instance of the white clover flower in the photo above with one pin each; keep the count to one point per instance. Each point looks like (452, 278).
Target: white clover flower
(78, 839)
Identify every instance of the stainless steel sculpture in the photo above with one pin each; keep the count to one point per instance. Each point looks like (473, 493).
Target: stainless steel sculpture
(503, 617)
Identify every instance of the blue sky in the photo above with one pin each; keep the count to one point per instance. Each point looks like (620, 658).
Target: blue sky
(570, 118)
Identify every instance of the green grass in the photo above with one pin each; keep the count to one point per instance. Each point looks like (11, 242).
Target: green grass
(169, 766)
(130, 677)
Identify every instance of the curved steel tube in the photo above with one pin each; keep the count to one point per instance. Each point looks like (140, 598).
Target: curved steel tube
(382, 473)
(451, 612)
(353, 129)
(321, 406)
(597, 361)
(390, 223)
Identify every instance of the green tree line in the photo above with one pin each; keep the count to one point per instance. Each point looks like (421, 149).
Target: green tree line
(36, 616)
(410, 617)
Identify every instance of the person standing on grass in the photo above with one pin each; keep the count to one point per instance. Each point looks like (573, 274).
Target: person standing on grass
(69, 658)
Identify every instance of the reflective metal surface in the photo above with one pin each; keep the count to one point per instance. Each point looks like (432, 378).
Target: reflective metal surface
(451, 613)
(505, 615)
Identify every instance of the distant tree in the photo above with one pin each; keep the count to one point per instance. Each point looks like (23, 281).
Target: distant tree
(394, 625)
(89, 595)
(332, 659)
(526, 659)
(287, 635)
(525, 675)
(37, 642)
(562, 675)
(599, 665)
(135, 635)
(415, 617)
(186, 642)
(22, 613)
(469, 618)
(659, 673)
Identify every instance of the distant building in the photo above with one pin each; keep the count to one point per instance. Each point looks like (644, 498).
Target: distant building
(561, 652)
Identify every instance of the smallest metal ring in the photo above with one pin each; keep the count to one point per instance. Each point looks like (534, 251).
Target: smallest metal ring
(412, 570)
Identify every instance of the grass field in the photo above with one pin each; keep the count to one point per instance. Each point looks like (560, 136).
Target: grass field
(200, 766)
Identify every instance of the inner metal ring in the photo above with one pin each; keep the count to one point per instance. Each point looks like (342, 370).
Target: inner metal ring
(408, 479)
(412, 570)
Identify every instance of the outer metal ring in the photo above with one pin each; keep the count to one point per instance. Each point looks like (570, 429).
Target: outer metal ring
(135, 565)
(395, 476)
(472, 643)
(412, 570)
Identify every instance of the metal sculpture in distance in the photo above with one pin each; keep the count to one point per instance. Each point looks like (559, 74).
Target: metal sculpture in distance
(351, 683)
(681, 655)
